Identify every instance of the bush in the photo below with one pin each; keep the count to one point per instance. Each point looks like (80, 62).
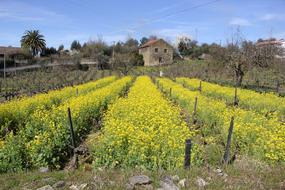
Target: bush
(213, 154)
(12, 154)
(137, 60)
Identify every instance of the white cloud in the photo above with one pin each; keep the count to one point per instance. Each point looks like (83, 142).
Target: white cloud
(268, 17)
(172, 34)
(271, 16)
(240, 22)
(19, 17)
(18, 11)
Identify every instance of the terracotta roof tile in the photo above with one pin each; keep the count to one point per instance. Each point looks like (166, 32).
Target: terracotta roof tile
(150, 42)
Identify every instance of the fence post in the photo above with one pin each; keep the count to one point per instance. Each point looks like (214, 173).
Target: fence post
(200, 86)
(227, 151)
(187, 159)
(76, 91)
(170, 91)
(277, 86)
(71, 129)
(195, 110)
(236, 98)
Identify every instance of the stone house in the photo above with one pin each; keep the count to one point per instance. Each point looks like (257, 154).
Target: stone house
(156, 52)
(274, 42)
(10, 50)
(9, 53)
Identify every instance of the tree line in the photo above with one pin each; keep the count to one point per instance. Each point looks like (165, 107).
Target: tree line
(237, 55)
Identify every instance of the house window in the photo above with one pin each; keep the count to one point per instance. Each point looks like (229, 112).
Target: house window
(155, 50)
(160, 59)
(165, 50)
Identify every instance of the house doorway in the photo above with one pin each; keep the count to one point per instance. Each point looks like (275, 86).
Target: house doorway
(160, 60)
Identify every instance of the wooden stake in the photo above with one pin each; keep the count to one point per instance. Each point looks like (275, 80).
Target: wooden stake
(277, 86)
(195, 110)
(187, 159)
(236, 99)
(200, 86)
(227, 151)
(71, 129)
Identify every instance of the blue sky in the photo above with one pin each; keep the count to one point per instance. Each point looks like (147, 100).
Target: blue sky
(62, 21)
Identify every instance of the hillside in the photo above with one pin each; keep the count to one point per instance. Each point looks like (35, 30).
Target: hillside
(137, 125)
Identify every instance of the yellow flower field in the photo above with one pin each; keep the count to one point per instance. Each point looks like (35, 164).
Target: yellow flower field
(15, 113)
(143, 130)
(264, 103)
(45, 138)
(254, 134)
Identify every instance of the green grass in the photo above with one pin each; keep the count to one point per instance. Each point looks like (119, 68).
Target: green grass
(243, 174)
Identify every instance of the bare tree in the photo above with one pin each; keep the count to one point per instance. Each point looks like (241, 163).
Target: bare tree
(121, 62)
(236, 57)
(125, 56)
(242, 55)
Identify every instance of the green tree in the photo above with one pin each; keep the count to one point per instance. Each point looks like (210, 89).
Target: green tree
(75, 45)
(132, 43)
(97, 50)
(33, 41)
(183, 47)
(60, 48)
(188, 47)
(48, 51)
(143, 40)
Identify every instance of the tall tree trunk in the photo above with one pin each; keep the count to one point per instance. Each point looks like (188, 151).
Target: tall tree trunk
(34, 52)
(239, 80)
(239, 75)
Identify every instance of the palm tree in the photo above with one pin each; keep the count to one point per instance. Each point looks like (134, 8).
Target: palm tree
(34, 41)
